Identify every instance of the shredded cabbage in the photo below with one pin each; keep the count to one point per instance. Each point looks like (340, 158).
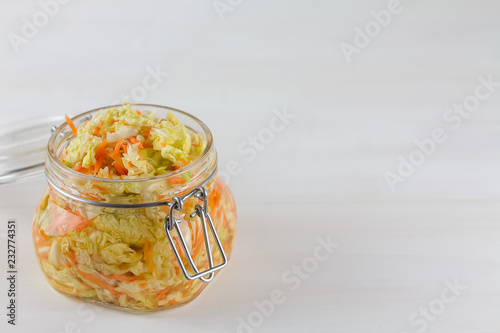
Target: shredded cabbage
(125, 143)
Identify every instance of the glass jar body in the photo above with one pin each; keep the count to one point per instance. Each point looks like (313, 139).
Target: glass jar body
(122, 257)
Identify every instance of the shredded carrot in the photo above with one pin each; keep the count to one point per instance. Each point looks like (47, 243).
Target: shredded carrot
(70, 123)
(135, 141)
(215, 196)
(102, 148)
(118, 146)
(71, 256)
(192, 232)
(177, 180)
(90, 170)
(103, 190)
(97, 129)
(125, 150)
(138, 112)
(120, 168)
(162, 294)
(79, 167)
(98, 163)
(198, 240)
(124, 278)
(180, 163)
(41, 242)
(98, 282)
(100, 156)
(64, 221)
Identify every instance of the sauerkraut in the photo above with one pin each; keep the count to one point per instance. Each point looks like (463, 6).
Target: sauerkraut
(122, 257)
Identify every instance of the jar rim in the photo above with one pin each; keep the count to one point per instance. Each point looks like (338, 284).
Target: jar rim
(52, 153)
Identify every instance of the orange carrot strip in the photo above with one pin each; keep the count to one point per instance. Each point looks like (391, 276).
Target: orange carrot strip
(192, 232)
(97, 129)
(64, 221)
(162, 294)
(120, 168)
(121, 171)
(103, 190)
(41, 242)
(177, 180)
(198, 241)
(102, 148)
(118, 146)
(100, 156)
(125, 149)
(147, 133)
(124, 278)
(138, 112)
(90, 170)
(98, 163)
(71, 256)
(71, 124)
(180, 163)
(135, 141)
(98, 282)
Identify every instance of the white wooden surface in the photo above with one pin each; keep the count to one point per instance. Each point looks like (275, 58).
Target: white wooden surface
(323, 175)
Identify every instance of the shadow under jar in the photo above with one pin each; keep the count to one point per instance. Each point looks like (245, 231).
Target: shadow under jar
(134, 244)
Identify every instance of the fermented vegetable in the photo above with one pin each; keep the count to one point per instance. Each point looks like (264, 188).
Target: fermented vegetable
(118, 256)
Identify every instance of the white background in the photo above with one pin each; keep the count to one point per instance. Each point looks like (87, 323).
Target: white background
(323, 175)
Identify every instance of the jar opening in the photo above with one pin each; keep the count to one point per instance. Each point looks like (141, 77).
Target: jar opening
(64, 176)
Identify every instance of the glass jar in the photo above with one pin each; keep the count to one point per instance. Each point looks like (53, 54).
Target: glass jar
(134, 244)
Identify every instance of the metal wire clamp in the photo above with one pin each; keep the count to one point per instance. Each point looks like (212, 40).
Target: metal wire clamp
(202, 211)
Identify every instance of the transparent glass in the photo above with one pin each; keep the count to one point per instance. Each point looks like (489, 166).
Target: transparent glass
(121, 257)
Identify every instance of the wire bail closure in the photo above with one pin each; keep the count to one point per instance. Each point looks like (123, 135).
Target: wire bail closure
(172, 223)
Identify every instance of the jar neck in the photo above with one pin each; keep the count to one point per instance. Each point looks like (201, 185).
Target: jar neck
(125, 191)
(133, 191)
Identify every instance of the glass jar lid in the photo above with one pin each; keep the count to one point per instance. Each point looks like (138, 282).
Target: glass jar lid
(23, 148)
